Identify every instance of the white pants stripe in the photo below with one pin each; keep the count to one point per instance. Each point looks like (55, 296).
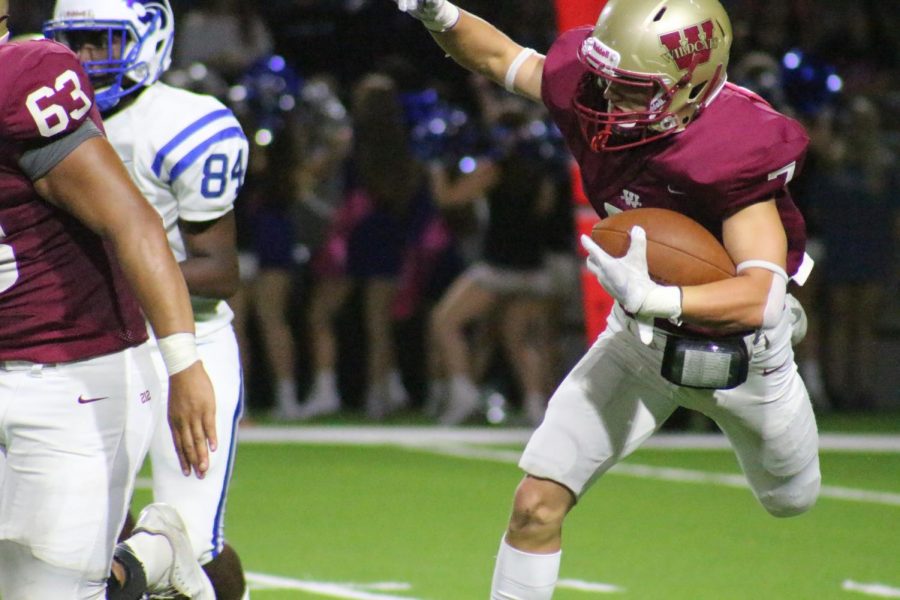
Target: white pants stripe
(201, 502)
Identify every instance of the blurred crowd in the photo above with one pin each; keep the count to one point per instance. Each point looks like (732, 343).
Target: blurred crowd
(407, 231)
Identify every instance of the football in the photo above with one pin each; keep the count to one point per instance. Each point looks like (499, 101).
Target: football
(679, 250)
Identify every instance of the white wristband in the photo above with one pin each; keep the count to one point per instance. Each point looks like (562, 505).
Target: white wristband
(444, 19)
(663, 301)
(509, 82)
(179, 351)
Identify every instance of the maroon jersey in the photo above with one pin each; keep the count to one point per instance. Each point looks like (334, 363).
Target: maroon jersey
(739, 151)
(62, 296)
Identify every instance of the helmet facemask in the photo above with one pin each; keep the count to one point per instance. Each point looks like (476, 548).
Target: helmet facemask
(619, 109)
(651, 66)
(134, 48)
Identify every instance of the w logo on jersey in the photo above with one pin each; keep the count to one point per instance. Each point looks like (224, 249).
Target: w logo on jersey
(691, 46)
(631, 199)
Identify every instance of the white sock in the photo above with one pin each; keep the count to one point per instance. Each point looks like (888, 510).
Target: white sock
(397, 394)
(395, 382)
(462, 389)
(286, 392)
(326, 383)
(536, 399)
(155, 554)
(524, 576)
(437, 389)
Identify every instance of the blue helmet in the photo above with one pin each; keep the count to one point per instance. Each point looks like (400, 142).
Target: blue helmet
(137, 36)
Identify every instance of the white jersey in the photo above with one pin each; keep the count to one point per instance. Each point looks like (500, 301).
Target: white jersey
(188, 155)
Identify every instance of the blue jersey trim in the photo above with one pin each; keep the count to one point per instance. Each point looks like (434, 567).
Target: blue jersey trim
(185, 134)
(193, 155)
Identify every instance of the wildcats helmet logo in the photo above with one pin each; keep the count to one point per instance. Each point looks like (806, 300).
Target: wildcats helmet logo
(691, 46)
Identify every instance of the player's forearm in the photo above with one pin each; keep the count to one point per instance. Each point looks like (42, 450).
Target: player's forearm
(731, 305)
(155, 278)
(756, 241)
(479, 46)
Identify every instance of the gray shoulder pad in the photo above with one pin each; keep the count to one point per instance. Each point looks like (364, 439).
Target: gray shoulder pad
(40, 161)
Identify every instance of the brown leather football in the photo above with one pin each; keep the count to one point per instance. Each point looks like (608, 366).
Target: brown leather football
(679, 250)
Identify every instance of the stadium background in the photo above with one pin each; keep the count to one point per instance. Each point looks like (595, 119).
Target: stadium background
(348, 38)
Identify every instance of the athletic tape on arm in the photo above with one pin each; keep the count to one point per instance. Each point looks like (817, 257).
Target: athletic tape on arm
(179, 351)
(509, 82)
(777, 292)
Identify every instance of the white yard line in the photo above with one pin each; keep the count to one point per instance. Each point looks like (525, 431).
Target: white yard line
(589, 586)
(463, 442)
(669, 474)
(366, 591)
(348, 591)
(413, 436)
(879, 590)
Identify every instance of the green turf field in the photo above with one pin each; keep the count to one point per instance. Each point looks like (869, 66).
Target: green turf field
(340, 513)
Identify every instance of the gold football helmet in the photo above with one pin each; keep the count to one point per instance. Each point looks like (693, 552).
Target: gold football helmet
(4, 30)
(652, 67)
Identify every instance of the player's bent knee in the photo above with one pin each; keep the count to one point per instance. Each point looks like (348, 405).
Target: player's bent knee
(791, 501)
(539, 505)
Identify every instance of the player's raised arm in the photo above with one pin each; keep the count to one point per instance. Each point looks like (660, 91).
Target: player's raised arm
(479, 46)
(92, 184)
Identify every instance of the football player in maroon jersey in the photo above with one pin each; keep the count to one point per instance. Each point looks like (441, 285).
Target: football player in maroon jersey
(82, 255)
(644, 105)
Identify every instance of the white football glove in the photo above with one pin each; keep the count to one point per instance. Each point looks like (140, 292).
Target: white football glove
(436, 15)
(627, 280)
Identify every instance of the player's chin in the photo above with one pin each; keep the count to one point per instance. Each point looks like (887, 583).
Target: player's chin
(624, 133)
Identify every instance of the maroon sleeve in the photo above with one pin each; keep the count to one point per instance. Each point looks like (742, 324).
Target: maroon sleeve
(773, 156)
(559, 81)
(738, 152)
(47, 93)
(761, 151)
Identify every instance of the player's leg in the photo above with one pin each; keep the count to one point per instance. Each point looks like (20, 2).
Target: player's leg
(226, 573)
(524, 327)
(159, 558)
(75, 436)
(378, 297)
(609, 404)
(465, 301)
(271, 293)
(770, 422)
(201, 502)
(328, 296)
(527, 564)
(779, 453)
(23, 577)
